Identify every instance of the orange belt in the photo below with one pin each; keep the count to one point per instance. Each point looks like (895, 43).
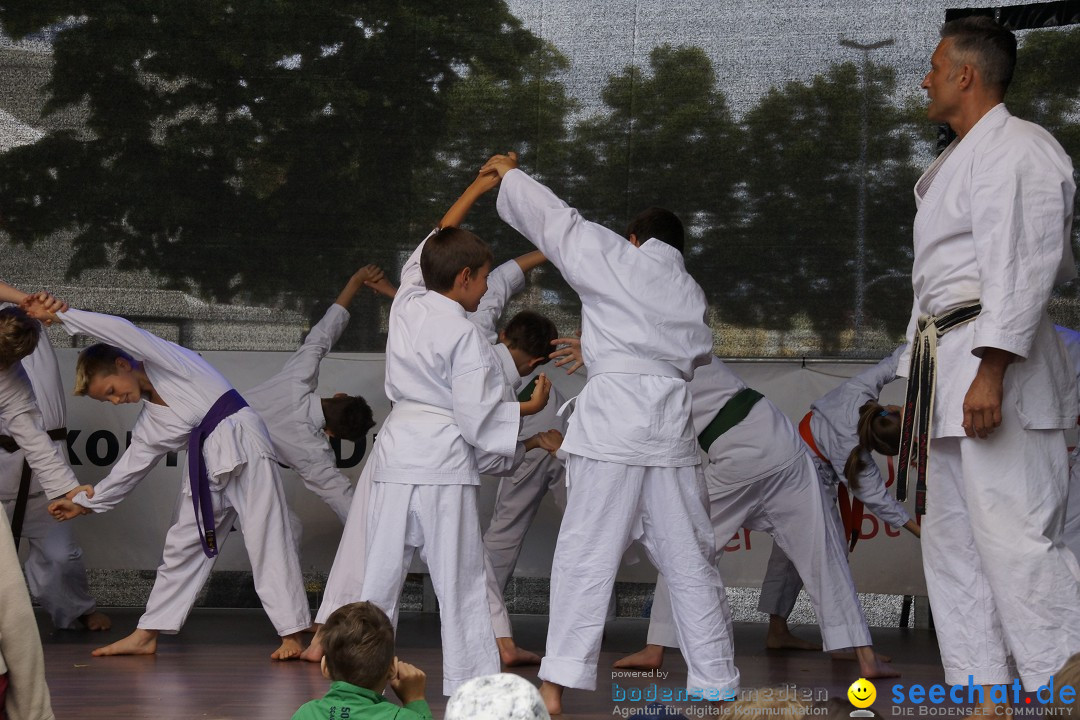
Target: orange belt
(851, 508)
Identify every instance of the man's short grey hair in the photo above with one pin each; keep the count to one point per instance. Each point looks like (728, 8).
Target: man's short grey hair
(980, 41)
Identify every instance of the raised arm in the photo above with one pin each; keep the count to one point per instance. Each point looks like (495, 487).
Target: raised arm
(11, 294)
(460, 209)
(368, 275)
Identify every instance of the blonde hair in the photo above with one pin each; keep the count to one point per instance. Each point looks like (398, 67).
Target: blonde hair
(18, 336)
(879, 430)
(97, 359)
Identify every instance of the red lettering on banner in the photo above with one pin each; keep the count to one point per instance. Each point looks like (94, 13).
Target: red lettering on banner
(863, 535)
(890, 531)
(734, 543)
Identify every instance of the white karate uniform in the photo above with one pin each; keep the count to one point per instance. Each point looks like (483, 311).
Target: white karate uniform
(294, 416)
(834, 426)
(449, 397)
(20, 645)
(54, 567)
(241, 465)
(760, 476)
(1071, 535)
(994, 226)
(633, 468)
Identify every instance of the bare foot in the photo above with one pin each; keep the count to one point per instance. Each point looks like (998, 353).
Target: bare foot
(314, 651)
(552, 695)
(95, 621)
(140, 642)
(853, 656)
(786, 640)
(872, 666)
(511, 655)
(290, 648)
(651, 658)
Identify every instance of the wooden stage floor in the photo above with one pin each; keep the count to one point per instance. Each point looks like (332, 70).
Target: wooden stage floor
(218, 668)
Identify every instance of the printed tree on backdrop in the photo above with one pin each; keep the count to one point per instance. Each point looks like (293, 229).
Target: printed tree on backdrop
(667, 139)
(489, 113)
(796, 254)
(247, 150)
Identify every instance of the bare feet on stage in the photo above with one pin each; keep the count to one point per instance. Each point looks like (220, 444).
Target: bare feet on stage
(872, 665)
(290, 648)
(513, 656)
(651, 658)
(780, 637)
(314, 651)
(140, 642)
(95, 621)
(552, 695)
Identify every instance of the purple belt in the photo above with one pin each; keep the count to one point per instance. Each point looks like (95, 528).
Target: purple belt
(228, 404)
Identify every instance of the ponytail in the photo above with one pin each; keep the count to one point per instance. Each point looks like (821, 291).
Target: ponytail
(878, 430)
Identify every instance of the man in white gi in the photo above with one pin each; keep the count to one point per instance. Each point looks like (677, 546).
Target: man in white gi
(21, 659)
(1071, 535)
(633, 468)
(450, 404)
(992, 230)
(54, 567)
(231, 473)
(830, 429)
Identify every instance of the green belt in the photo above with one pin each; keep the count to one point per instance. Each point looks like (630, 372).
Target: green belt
(526, 392)
(734, 412)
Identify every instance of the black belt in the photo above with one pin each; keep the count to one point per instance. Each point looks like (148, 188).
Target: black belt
(8, 443)
(919, 403)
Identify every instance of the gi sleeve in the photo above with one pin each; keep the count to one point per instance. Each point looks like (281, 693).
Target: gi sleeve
(303, 365)
(1019, 211)
(26, 426)
(485, 420)
(504, 282)
(137, 342)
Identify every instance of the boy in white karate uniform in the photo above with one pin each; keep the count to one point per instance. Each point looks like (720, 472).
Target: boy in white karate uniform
(831, 431)
(231, 472)
(633, 467)
(54, 568)
(450, 404)
(300, 424)
(21, 658)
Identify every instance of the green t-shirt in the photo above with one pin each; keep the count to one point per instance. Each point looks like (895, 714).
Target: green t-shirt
(349, 702)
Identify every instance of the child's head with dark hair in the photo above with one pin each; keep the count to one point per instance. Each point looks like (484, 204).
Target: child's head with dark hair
(18, 335)
(347, 417)
(449, 251)
(358, 642)
(658, 223)
(528, 336)
(879, 430)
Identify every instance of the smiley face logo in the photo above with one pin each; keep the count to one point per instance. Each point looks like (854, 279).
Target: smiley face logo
(862, 693)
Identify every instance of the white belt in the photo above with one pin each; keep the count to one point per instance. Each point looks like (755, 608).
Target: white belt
(413, 409)
(636, 366)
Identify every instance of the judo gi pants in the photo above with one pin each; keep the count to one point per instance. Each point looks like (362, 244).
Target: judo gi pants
(442, 522)
(516, 503)
(254, 497)
(610, 505)
(999, 578)
(782, 583)
(20, 645)
(54, 568)
(789, 506)
(345, 583)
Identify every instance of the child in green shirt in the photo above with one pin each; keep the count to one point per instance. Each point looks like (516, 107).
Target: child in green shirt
(359, 658)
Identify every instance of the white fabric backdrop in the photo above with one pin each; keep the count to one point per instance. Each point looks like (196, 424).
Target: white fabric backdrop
(131, 536)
